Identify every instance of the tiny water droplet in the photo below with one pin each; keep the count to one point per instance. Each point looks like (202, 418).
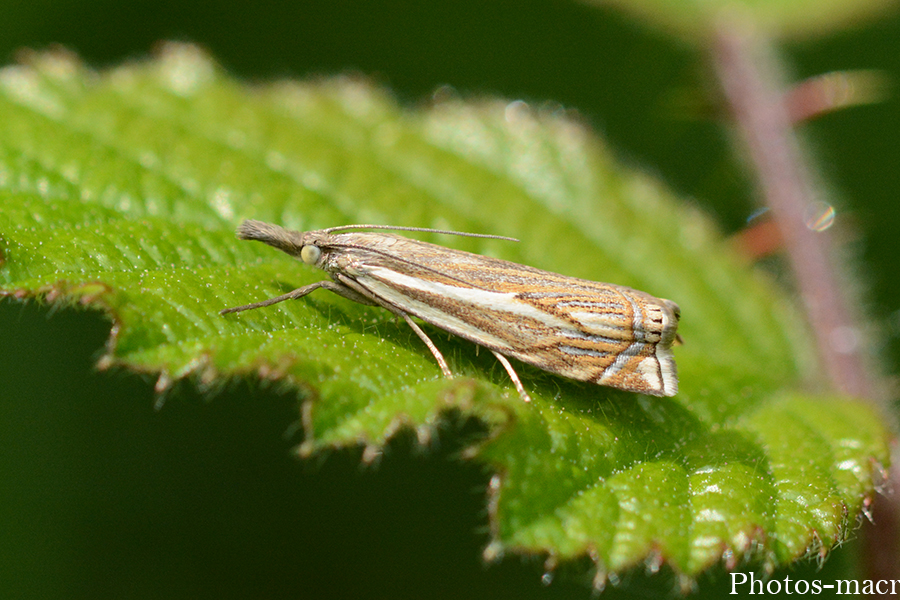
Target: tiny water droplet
(516, 110)
(819, 215)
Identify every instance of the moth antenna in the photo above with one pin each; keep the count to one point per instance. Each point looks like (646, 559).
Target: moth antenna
(424, 230)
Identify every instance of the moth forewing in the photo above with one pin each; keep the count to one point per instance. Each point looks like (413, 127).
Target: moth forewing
(607, 334)
(603, 333)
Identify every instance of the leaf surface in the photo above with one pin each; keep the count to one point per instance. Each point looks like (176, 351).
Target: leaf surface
(121, 190)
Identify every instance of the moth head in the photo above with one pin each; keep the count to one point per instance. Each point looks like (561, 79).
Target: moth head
(305, 246)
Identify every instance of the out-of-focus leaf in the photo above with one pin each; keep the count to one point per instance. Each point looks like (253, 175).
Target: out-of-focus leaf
(695, 20)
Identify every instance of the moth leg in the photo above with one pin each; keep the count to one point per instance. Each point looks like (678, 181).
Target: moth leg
(512, 375)
(337, 288)
(347, 292)
(424, 337)
(353, 287)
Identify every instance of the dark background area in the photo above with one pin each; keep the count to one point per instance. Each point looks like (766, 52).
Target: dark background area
(102, 496)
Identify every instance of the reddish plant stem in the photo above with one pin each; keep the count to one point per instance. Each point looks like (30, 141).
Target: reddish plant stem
(750, 77)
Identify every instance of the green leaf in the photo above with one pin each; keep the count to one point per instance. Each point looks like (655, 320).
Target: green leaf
(695, 20)
(121, 191)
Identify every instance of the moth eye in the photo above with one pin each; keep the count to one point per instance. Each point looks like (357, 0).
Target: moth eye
(310, 254)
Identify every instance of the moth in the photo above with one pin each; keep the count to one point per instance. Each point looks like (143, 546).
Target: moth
(606, 334)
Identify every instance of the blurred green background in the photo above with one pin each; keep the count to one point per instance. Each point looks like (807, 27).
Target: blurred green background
(102, 496)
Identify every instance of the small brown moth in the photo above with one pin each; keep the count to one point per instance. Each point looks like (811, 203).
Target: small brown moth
(599, 332)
